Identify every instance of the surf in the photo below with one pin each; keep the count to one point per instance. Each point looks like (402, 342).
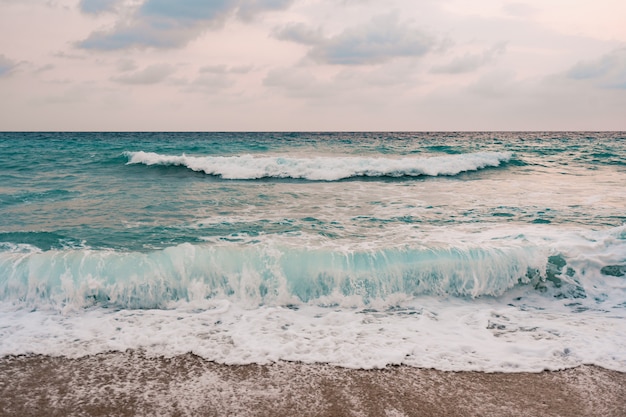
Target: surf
(262, 272)
(323, 168)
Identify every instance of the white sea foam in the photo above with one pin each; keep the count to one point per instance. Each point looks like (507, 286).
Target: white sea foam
(260, 274)
(447, 334)
(276, 270)
(571, 317)
(511, 269)
(323, 168)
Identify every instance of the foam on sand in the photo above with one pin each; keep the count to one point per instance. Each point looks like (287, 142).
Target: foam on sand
(131, 384)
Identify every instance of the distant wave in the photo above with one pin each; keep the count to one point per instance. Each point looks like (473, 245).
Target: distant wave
(248, 167)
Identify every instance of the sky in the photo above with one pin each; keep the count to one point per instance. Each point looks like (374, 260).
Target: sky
(312, 65)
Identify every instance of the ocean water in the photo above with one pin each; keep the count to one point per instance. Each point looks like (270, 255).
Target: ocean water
(457, 251)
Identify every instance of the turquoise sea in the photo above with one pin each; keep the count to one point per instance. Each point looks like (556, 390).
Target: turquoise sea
(496, 251)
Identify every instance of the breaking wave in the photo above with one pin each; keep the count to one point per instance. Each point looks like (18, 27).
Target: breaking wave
(267, 274)
(249, 167)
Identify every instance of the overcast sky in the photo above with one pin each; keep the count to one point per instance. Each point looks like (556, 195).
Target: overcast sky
(312, 65)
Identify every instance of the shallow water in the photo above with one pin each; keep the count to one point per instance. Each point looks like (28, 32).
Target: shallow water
(457, 251)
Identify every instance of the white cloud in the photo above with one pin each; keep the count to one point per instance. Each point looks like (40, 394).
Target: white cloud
(361, 86)
(210, 83)
(519, 9)
(300, 33)
(216, 78)
(97, 6)
(471, 62)
(248, 9)
(496, 85)
(224, 69)
(300, 82)
(377, 41)
(172, 24)
(65, 55)
(608, 71)
(312, 64)
(44, 68)
(7, 66)
(125, 64)
(152, 74)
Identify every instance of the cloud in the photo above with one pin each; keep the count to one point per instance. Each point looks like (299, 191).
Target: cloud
(497, 85)
(296, 82)
(172, 24)
(186, 10)
(380, 40)
(210, 83)
(609, 71)
(152, 74)
(250, 8)
(124, 65)
(97, 6)
(300, 33)
(64, 55)
(470, 62)
(151, 32)
(223, 69)
(215, 78)
(6, 66)
(519, 9)
(347, 84)
(44, 68)
(82, 93)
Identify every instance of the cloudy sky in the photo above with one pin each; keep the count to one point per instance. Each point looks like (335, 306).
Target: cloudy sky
(312, 65)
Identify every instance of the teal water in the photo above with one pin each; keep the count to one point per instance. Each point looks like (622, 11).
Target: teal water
(376, 223)
(77, 189)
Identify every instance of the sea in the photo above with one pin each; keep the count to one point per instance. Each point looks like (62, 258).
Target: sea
(479, 251)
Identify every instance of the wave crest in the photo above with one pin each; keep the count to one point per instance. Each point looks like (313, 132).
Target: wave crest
(260, 275)
(249, 167)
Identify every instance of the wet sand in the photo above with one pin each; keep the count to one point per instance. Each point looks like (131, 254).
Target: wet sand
(131, 384)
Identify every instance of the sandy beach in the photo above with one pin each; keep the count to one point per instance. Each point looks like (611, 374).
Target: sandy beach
(131, 384)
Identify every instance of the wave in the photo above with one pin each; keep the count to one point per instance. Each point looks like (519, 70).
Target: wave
(248, 167)
(35, 197)
(266, 274)
(39, 240)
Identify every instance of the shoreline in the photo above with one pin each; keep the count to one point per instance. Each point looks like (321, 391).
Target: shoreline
(132, 384)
